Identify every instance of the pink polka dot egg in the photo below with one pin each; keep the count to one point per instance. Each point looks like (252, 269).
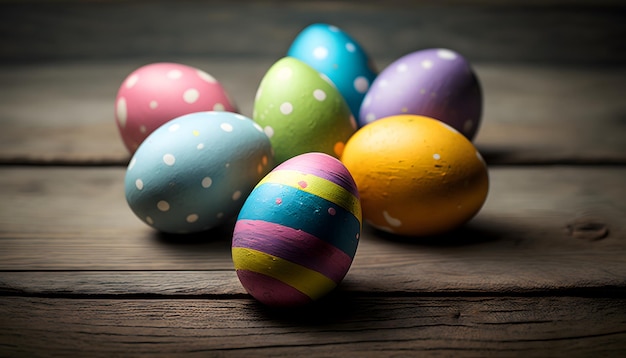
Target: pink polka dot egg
(298, 231)
(156, 93)
(194, 172)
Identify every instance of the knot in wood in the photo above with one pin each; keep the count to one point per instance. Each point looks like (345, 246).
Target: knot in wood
(585, 228)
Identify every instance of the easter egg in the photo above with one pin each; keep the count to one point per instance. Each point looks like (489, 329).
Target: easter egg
(301, 111)
(156, 93)
(416, 176)
(333, 52)
(436, 83)
(195, 171)
(298, 231)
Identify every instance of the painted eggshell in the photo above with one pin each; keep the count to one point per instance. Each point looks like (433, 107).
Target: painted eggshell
(298, 231)
(156, 93)
(436, 83)
(194, 172)
(301, 111)
(416, 176)
(336, 54)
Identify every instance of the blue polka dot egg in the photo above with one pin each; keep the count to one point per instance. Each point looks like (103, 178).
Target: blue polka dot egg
(334, 53)
(194, 172)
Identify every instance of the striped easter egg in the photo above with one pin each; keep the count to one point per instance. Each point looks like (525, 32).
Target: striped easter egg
(298, 231)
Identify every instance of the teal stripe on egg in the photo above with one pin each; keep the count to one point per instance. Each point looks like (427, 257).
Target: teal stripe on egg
(297, 209)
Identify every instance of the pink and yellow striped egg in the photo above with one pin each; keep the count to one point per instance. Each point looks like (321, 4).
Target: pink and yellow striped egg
(298, 231)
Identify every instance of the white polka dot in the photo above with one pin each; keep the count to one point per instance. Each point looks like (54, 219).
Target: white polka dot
(391, 220)
(139, 184)
(131, 81)
(218, 107)
(269, 131)
(200, 146)
(205, 76)
(132, 163)
(163, 205)
(191, 95)
(226, 127)
(361, 84)
(143, 129)
(446, 54)
(258, 127)
(370, 117)
(284, 73)
(227, 165)
(350, 47)
(427, 64)
(174, 74)
(237, 195)
(333, 28)
(174, 127)
(207, 182)
(286, 108)
(154, 104)
(319, 95)
(320, 53)
(402, 67)
(121, 111)
(436, 156)
(169, 159)
(149, 220)
(192, 218)
(383, 83)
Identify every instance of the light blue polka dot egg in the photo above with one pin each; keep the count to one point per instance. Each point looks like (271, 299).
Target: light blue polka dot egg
(195, 172)
(333, 52)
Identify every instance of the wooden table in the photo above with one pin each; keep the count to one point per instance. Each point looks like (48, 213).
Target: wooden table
(540, 271)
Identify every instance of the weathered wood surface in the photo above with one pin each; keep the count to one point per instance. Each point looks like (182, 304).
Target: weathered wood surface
(345, 326)
(65, 114)
(522, 240)
(550, 73)
(540, 271)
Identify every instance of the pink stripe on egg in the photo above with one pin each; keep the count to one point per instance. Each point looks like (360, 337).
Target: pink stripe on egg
(271, 291)
(292, 245)
(323, 166)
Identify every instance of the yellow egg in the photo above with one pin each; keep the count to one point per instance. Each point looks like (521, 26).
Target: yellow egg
(416, 176)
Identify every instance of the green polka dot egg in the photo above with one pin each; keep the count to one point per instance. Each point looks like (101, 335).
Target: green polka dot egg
(301, 111)
(194, 172)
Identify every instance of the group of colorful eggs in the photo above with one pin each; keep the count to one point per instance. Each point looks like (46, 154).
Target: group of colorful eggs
(331, 143)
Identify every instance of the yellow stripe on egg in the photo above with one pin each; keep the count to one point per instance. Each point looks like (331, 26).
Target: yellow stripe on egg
(316, 186)
(311, 283)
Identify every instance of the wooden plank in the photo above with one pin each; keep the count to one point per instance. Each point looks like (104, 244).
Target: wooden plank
(64, 114)
(522, 240)
(358, 326)
(587, 32)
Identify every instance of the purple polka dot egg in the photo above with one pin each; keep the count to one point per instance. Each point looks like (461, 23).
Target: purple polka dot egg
(158, 92)
(333, 52)
(298, 231)
(437, 83)
(194, 172)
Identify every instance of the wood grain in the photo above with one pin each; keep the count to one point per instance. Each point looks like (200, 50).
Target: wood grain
(352, 326)
(532, 115)
(521, 241)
